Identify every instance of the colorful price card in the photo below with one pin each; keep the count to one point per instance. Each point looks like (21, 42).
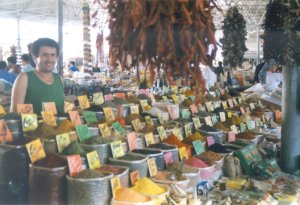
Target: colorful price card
(224, 104)
(93, 160)
(98, 98)
(165, 99)
(29, 122)
(48, 118)
(187, 129)
(172, 112)
(258, 122)
(185, 113)
(230, 103)
(183, 153)
(24, 108)
(196, 122)
(242, 127)
(50, 107)
(132, 141)
(214, 119)
(68, 106)
(35, 150)
(104, 129)
(136, 124)
(194, 109)
(109, 115)
(84, 102)
(248, 110)
(222, 116)
(165, 89)
(115, 185)
(117, 149)
(83, 132)
(208, 121)
(240, 100)
(229, 114)
(108, 97)
(222, 91)
(2, 111)
(234, 129)
(149, 120)
(259, 104)
(75, 164)
(183, 97)
(134, 109)
(5, 134)
(118, 128)
(134, 176)
(217, 104)
(144, 104)
(90, 117)
(160, 118)
(168, 156)
(201, 108)
(242, 110)
(175, 98)
(74, 116)
(120, 95)
(62, 141)
(235, 102)
(161, 132)
(278, 115)
(209, 106)
(174, 88)
(149, 138)
(252, 106)
(177, 133)
(144, 92)
(250, 124)
(198, 146)
(210, 140)
(152, 167)
(231, 136)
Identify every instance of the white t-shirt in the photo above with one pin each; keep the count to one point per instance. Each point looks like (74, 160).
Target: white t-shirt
(209, 76)
(273, 80)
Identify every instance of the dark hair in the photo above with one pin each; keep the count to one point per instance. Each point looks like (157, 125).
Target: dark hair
(12, 60)
(72, 62)
(25, 57)
(220, 63)
(3, 65)
(35, 49)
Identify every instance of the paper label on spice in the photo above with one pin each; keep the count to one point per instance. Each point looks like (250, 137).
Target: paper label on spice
(222, 116)
(24, 108)
(93, 160)
(193, 98)
(194, 109)
(134, 176)
(35, 150)
(90, 117)
(250, 124)
(165, 89)
(104, 129)
(185, 113)
(231, 136)
(132, 141)
(98, 98)
(214, 119)
(149, 138)
(2, 111)
(120, 95)
(258, 122)
(175, 98)
(183, 153)
(183, 97)
(74, 116)
(165, 99)
(242, 110)
(201, 108)
(224, 103)
(196, 122)
(234, 129)
(109, 114)
(240, 100)
(75, 164)
(84, 102)
(118, 128)
(278, 115)
(48, 118)
(149, 120)
(161, 132)
(115, 185)
(235, 102)
(117, 149)
(210, 140)
(134, 109)
(144, 92)
(208, 121)
(248, 110)
(49, 107)
(252, 106)
(108, 97)
(160, 118)
(242, 127)
(152, 167)
(136, 124)
(171, 112)
(174, 88)
(83, 132)
(68, 106)
(177, 133)
(5, 134)
(62, 141)
(259, 104)
(144, 104)
(209, 106)
(230, 103)
(217, 104)
(198, 146)
(29, 122)
(229, 114)
(168, 156)
(187, 129)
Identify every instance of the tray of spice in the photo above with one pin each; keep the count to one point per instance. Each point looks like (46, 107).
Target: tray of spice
(248, 137)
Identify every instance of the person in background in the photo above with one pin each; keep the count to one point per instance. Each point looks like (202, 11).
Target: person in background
(257, 70)
(26, 66)
(40, 85)
(269, 76)
(72, 67)
(12, 65)
(219, 70)
(5, 75)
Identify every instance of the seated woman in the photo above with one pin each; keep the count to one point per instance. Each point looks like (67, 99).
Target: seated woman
(269, 76)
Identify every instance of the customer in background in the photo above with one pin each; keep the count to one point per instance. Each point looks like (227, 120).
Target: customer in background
(72, 67)
(219, 70)
(40, 85)
(26, 66)
(257, 70)
(12, 65)
(269, 76)
(5, 75)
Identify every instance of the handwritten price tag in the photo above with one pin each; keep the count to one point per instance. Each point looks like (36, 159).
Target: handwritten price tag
(48, 118)
(168, 156)
(224, 103)
(50, 107)
(240, 100)
(93, 160)
(136, 124)
(209, 106)
(74, 116)
(75, 164)
(177, 133)
(187, 129)
(149, 138)
(208, 121)
(194, 109)
(242, 127)
(235, 102)
(98, 98)
(165, 99)
(118, 128)
(109, 115)
(62, 141)
(2, 111)
(5, 134)
(29, 122)
(222, 116)
(90, 117)
(152, 167)
(230, 102)
(231, 136)
(210, 140)
(68, 106)
(144, 104)
(242, 110)
(117, 149)
(84, 102)
(198, 146)
(162, 133)
(105, 132)
(83, 132)
(250, 124)
(252, 106)
(229, 114)
(134, 176)
(132, 141)
(196, 122)
(183, 153)
(149, 120)
(234, 129)
(172, 112)
(25, 109)
(35, 150)
(278, 115)
(175, 99)
(134, 109)
(115, 185)
(214, 119)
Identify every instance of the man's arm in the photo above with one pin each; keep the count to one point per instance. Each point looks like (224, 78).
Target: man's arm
(19, 91)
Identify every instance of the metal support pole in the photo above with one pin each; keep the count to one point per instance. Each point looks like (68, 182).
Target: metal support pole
(257, 41)
(60, 35)
(290, 134)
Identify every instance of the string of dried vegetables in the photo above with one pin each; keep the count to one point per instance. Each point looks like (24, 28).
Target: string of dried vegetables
(172, 35)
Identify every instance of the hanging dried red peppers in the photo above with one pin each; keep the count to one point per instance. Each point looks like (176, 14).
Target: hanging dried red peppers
(172, 35)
